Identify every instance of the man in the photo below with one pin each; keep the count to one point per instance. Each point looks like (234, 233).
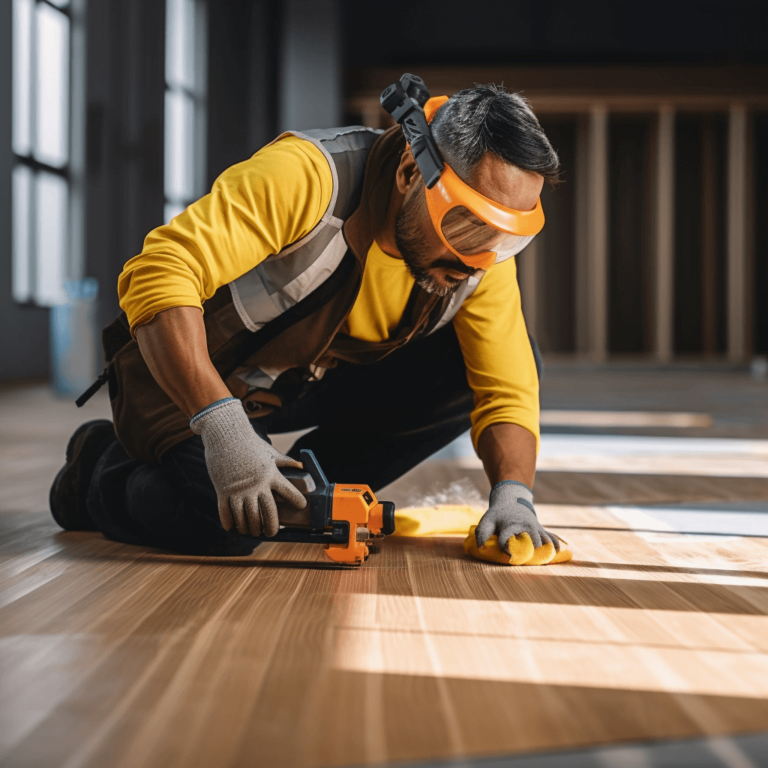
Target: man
(335, 300)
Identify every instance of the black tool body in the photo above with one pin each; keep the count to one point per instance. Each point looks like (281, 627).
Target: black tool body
(309, 525)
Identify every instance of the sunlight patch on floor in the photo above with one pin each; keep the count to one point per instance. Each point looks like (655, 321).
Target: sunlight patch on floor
(720, 457)
(572, 645)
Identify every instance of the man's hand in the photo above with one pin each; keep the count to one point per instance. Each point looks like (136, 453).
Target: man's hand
(510, 513)
(244, 469)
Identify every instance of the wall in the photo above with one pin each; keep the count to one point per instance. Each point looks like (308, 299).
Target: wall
(310, 65)
(125, 107)
(23, 329)
(450, 32)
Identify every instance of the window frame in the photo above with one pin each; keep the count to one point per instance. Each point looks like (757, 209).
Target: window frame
(36, 166)
(197, 95)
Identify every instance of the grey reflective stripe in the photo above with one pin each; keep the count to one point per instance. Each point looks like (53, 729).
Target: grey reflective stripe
(349, 148)
(277, 274)
(260, 297)
(462, 294)
(284, 279)
(328, 215)
(316, 273)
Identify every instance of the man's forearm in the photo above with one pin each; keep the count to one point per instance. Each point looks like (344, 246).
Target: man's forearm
(508, 452)
(174, 347)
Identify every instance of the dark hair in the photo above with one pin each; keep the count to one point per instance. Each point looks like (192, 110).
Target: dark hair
(488, 118)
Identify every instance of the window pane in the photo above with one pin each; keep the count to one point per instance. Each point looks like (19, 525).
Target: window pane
(51, 201)
(179, 154)
(52, 82)
(180, 43)
(22, 75)
(22, 248)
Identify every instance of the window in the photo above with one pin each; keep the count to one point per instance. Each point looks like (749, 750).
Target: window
(185, 104)
(41, 146)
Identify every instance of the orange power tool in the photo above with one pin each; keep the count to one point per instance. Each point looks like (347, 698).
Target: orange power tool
(346, 518)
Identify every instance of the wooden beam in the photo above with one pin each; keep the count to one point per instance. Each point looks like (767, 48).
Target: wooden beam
(580, 235)
(736, 252)
(709, 229)
(665, 234)
(597, 232)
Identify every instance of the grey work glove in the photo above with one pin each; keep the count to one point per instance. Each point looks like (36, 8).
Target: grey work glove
(510, 513)
(244, 469)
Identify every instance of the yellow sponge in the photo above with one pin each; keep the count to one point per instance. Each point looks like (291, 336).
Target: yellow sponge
(521, 551)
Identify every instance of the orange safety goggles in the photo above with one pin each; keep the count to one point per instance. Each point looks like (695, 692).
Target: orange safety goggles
(477, 230)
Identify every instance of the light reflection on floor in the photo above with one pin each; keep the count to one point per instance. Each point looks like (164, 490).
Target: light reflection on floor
(631, 454)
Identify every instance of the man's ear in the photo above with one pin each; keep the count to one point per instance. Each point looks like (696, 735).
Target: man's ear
(408, 173)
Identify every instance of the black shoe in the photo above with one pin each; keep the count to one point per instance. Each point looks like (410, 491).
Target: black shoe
(70, 488)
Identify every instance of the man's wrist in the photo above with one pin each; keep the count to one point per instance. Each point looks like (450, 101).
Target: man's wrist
(210, 408)
(508, 452)
(511, 482)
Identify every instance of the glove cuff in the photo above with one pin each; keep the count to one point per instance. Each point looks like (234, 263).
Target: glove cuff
(208, 408)
(512, 488)
(223, 420)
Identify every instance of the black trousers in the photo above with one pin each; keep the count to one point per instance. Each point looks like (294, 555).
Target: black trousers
(370, 424)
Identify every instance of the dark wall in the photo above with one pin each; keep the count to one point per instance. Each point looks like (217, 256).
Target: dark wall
(630, 233)
(243, 42)
(700, 200)
(556, 31)
(760, 235)
(125, 127)
(272, 66)
(556, 325)
(126, 87)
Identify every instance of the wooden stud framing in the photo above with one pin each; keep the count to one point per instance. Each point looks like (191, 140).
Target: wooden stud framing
(665, 234)
(737, 233)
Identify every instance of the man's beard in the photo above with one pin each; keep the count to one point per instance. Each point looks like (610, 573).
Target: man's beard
(410, 242)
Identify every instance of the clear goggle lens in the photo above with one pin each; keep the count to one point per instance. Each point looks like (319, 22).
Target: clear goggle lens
(469, 235)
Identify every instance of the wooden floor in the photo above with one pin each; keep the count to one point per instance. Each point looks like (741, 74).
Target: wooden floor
(112, 655)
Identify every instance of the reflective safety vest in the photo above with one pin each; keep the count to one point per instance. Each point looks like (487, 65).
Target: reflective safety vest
(275, 329)
(283, 280)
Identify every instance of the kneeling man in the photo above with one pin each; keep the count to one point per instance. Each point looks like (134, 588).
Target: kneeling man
(322, 286)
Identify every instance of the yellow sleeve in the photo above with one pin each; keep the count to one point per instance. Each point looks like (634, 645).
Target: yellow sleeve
(497, 353)
(255, 209)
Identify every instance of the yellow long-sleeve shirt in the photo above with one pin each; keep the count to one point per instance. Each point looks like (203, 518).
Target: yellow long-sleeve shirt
(258, 207)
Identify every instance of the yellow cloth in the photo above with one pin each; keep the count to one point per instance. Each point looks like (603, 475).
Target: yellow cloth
(442, 520)
(258, 207)
(453, 520)
(521, 551)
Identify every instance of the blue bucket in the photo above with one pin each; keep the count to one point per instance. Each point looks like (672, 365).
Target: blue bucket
(75, 355)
